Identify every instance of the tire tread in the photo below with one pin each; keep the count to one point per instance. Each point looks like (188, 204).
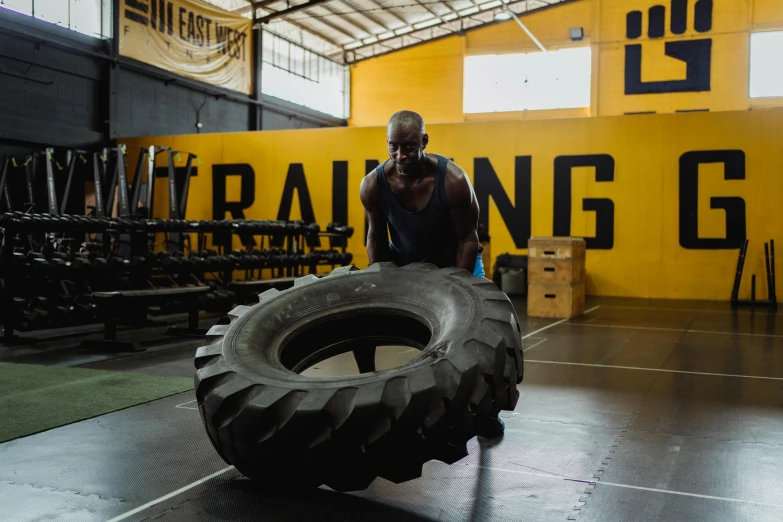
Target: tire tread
(359, 433)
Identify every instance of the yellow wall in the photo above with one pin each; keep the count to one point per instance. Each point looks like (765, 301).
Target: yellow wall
(433, 80)
(435, 92)
(767, 14)
(549, 25)
(646, 259)
(730, 61)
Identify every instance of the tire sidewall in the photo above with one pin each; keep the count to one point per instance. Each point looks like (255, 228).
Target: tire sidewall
(448, 303)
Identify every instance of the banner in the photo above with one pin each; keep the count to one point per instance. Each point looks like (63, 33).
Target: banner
(190, 38)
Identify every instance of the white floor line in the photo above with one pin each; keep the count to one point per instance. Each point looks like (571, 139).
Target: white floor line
(534, 345)
(684, 330)
(172, 494)
(683, 493)
(561, 321)
(184, 403)
(761, 377)
(642, 488)
(515, 471)
(703, 310)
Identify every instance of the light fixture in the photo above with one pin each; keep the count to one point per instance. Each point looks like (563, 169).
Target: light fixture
(502, 16)
(577, 33)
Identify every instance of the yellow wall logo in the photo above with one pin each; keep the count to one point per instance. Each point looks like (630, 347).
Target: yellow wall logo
(696, 53)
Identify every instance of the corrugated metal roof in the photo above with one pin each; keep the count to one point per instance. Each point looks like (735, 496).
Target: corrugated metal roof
(352, 30)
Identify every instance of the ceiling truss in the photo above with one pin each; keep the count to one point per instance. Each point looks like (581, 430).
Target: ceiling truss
(357, 30)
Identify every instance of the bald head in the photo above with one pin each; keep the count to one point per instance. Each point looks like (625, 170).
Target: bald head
(406, 139)
(406, 121)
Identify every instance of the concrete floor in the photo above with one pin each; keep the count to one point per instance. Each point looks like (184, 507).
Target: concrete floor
(637, 411)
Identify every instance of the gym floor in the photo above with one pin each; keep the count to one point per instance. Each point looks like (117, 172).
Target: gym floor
(638, 410)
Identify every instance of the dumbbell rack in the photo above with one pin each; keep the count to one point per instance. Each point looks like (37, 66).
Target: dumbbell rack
(167, 265)
(769, 263)
(120, 254)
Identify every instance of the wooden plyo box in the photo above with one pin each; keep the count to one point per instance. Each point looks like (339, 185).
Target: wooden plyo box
(552, 248)
(556, 277)
(555, 301)
(555, 271)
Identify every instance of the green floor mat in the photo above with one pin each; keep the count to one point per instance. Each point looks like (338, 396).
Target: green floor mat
(34, 398)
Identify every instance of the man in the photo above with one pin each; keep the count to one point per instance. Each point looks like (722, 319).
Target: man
(426, 202)
(429, 208)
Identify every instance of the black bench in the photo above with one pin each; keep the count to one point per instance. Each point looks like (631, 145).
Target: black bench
(112, 305)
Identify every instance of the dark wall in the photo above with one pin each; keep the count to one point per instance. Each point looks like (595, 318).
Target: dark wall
(148, 107)
(147, 103)
(51, 84)
(271, 119)
(63, 89)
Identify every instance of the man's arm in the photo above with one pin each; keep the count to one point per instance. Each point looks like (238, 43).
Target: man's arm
(377, 232)
(464, 216)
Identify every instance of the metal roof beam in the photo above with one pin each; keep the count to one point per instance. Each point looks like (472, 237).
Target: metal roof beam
(312, 31)
(447, 6)
(372, 18)
(433, 13)
(258, 5)
(390, 13)
(268, 18)
(387, 42)
(303, 28)
(347, 20)
(523, 26)
(335, 27)
(294, 22)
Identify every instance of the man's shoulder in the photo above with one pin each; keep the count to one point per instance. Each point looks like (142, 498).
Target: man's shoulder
(455, 175)
(458, 188)
(455, 172)
(368, 189)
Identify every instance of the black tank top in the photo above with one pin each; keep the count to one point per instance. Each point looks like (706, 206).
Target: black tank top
(426, 236)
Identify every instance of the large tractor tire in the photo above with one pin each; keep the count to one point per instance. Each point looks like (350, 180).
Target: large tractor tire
(285, 429)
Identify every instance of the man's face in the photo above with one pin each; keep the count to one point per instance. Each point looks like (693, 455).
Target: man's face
(406, 147)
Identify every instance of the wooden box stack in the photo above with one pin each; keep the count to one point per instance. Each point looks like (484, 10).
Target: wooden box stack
(556, 277)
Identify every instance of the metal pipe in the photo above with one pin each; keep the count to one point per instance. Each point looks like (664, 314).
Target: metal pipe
(51, 190)
(150, 181)
(524, 27)
(4, 192)
(266, 19)
(71, 164)
(773, 283)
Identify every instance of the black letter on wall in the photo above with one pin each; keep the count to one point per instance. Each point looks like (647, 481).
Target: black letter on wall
(734, 168)
(339, 199)
(487, 184)
(603, 207)
(220, 205)
(295, 180)
(697, 54)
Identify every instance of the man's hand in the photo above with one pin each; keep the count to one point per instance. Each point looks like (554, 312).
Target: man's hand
(377, 232)
(464, 216)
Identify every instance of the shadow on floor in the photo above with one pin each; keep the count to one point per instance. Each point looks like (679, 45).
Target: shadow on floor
(241, 499)
(482, 495)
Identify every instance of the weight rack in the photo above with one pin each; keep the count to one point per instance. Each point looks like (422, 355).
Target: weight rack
(769, 262)
(92, 256)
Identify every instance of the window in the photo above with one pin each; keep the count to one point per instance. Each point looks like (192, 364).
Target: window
(528, 81)
(293, 73)
(766, 75)
(90, 17)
